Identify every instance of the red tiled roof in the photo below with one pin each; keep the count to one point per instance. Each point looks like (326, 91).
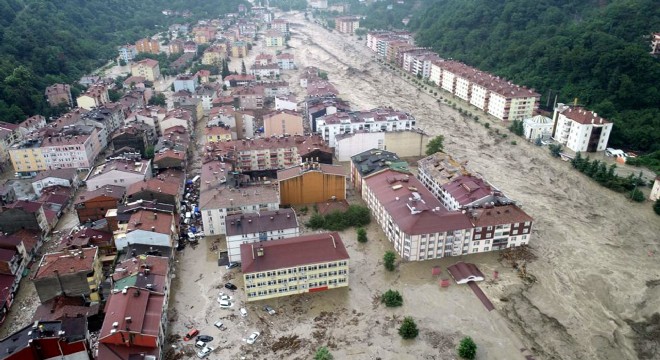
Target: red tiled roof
(169, 153)
(145, 220)
(432, 217)
(584, 116)
(143, 307)
(291, 252)
(66, 262)
(158, 265)
(154, 185)
(113, 191)
(28, 206)
(64, 306)
(264, 221)
(85, 237)
(148, 62)
(499, 215)
(28, 237)
(464, 272)
(467, 189)
(6, 254)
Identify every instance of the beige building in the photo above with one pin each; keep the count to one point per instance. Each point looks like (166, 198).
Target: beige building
(274, 38)
(149, 46)
(239, 49)
(214, 55)
(303, 264)
(95, 96)
(283, 122)
(347, 24)
(147, 68)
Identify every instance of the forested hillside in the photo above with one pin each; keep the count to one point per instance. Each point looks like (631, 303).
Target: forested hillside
(595, 51)
(48, 41)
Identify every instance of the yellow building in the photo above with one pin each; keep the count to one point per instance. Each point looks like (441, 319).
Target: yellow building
(147, 68)
(298, 265)
(27, 156)
(217, 133)
(283, 122)
(239, 49)
(311, 183)
(213, 56)
(274, 38)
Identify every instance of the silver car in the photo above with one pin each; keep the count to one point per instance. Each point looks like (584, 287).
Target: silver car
(204, 352)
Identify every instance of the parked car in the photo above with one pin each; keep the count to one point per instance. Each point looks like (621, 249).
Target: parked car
(231, 286)
(219, 324)
(225, 304)
(232, 265)
(205, 338)
(200, 344)
(269, 310)
(253, 338)
(204, 352)
(191, 334)
(223, 296)
(243, 312)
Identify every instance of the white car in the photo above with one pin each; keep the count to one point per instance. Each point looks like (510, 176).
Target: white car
(244, 313)
(222, 296)
(225, 304)
(253, 337)
(204, 352)
(219, 324)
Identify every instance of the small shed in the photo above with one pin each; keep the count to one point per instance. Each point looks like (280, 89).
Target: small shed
(465, 272)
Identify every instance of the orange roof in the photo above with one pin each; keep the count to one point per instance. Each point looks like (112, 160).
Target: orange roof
(154, 185)
(66, 262)
(150, 221)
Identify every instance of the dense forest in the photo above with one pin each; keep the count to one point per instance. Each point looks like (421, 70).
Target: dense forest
(46, 41)
(594, 51)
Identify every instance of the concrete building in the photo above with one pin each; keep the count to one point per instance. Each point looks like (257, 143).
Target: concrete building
(274, 38)
(538, 127)
(405, 143)
(220, 197)
(281, 25)
(439, 169)
(265, 71)
(57, 177)
(374, 120)
(9, 135)
(580, 129)
(311, 183)
(283, 122)
(40, 340)
(499, 227)
(250, 97)
(285, 61)
(147, 68)
(121, 172)
(414, 220)
(95, 96)
(69, 273)
(149, 46)
(286, 103)
(163, 189)
(347, 24)
(127, 52)
(304, 264)
(260, 154)
(239, 49)
(217, 133)
(372, 162)
(186, 82)
(57, 94)
(655, 43)
(146, 227)
(469, 191)
(258, 227)
(655, 191)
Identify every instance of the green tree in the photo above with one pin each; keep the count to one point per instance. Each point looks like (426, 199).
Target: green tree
(225, 69)
(517, 128)
(656, 207)
(388, 260)
(555, 149)
(114, 95)
(158, 99)
(323, 75)
(637, 196)
(316, 221)
(122, 62)
(149, 152)
(361, 235)
(243, 69)
(434, 145)
(323, 354)
(467, 349)
(392, 298)
(408, 329)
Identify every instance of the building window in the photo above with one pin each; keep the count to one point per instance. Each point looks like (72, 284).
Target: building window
(475, 243)
(475, 250)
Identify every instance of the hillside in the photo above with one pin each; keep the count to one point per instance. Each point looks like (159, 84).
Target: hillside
(595, 51)
(43, 42)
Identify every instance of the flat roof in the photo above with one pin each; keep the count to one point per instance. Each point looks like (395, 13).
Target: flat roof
(264, 221)
(292, 252)
(299, 170)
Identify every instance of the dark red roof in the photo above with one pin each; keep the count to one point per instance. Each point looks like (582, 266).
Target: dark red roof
(112, 191)
(66, 262)
(6, 254)
(464, 272)
(292, 252)
(499, 215)
(467, 189)
(64, 306)
(84, 238)
(143, 307)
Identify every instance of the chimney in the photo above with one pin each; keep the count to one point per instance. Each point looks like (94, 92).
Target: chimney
(155, 216)
(260, 251)
(153, 228)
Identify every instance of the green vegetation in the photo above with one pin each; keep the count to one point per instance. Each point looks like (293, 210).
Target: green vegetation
(606, 176)
(388, 260)
(158, 99)
(323, 354)
(288, 5)
(392, 298)
(45, 42)
(637, 195)
(651, 161)
(467, 349)
(656, 207)
(408, 329)
(435, 145)
(516, 127)
(362, 235)
(593, 51)
(323, 75)
(356, 215)
(555, 149)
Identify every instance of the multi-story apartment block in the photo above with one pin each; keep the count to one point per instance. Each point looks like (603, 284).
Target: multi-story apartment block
(418, 62)
(467, 191)
(149, 46)
(186, 82)
(120, 172)
(127, 52)
(147, 68)
(239, 49)
(281, 25)
(285, 61)
(273, 88)
(217, 133)
(146, 227)
(316, 107)
(95, 96)
(267, 70)
(70, 273)
(379, 119)
(372, 162)
(414, 221)
(261, 154)
(66, 339)
(214, 55)
(499, 227)
(274, 38)
(221, 196)
(257, 227)
(283, 122)
(439, 169)
(250, 97)
(405, 143)
(580, 129)
(176, 46)
(304, 264)
(57, 94)
(347, 24)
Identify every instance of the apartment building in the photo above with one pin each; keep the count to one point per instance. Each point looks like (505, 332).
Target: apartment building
(286, 61)
(214, 55)
(217, 133)
(469, 191)
(372, 162)
(378, 41)
(57, 94)
(283, 122)
(56, 177)
(580, 129)
(239, 49)
(274, 38)
(310, 183)
(65, 339)
(414, 220)
(439, 169)
(127, 52)
(303, 264)
(499, 227)
(9, 135)
(146, 227)
(95, 96)
(121, 172)
(186, 82)
(261, 153)
(347, 24)
(374, 120)
(281, 25)
(655, 43)
(149, 46)
(221, 196)
(92, 205)
(265, 71)
(538, 127)
(405, 143)
(70, 273)
(147, 68)
(258, 227)
(418, 62)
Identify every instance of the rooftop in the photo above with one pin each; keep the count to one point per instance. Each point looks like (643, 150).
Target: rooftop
(113, 191)
(150, 221)
(62, 307)
(148, 62)
(497, 215)
(292, 252)
(263, 221)
(442, 167)
(155, 185)
(309, 167)
(378, 114)
(467, 189)
(412, 207)
(67, 174)
(70, 261)
(42, 329)
(129, 166)
(137, 311)
(374, 160)
(583, 116)
(84, 238)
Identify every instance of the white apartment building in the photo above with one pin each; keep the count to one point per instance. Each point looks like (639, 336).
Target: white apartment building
(434, 171)
(217, 199)
(118, 172)
(257, 227)
(375, 120)
(580, 129)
